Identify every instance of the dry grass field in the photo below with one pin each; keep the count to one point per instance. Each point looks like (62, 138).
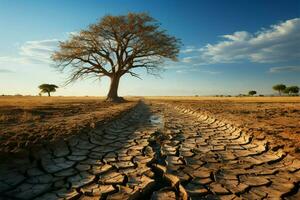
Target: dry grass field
(34, 120)
(282, 99)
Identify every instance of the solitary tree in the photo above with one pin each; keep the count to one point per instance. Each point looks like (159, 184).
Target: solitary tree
(280, 88)
(115, 46)
(252, 92)
(292, 90)
(47, 88)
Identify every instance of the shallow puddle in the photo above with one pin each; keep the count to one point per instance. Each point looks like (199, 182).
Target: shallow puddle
(157, 120)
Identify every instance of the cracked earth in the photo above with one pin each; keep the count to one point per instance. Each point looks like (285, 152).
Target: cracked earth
(155, 151)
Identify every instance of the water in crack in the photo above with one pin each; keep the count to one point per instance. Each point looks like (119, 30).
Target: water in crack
(157, 120)
(155, 142)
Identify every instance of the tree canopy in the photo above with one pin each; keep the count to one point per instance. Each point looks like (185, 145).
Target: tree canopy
(279, 87)
(114, 46)
(252, 92)
(292, 90)
(48, 88)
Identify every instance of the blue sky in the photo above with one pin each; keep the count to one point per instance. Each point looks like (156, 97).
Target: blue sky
(229, 47)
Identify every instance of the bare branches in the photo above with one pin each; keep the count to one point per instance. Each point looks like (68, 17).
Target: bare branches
(116, 45)
(134, 74)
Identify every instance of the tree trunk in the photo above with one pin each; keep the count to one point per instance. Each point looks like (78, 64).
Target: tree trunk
(113, 90)
(48, 94)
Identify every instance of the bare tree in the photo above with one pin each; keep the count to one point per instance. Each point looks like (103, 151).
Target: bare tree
(115, 46)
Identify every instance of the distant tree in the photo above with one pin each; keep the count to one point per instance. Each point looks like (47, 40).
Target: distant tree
(115, 46)
(292, 90)
(252, 92)
(286, 91)
(280, 88)
(47, 88)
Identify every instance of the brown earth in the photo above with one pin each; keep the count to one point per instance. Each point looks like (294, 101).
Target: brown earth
(277, 118)
(168, 148)
(25, 121)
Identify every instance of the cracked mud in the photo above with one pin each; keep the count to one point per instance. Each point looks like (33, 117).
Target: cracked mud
(156, 151)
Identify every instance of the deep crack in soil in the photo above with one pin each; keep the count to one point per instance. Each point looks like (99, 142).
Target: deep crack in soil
(156, 151)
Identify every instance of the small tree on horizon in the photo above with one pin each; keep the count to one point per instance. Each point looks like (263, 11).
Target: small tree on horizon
(292, 90)
(115, 46)
(252, 92)
(280, 88)
(47, 88)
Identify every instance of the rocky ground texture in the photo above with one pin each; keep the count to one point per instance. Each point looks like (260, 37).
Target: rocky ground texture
(155, 151)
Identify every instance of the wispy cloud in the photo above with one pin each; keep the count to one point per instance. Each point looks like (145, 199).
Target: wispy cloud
(211, 72)
(72, 33)
(197, 70)
(39, 51)
(284, 69)
(33, 52)
(6, 71)
(188, 59)
(189, 49)
(12, 59)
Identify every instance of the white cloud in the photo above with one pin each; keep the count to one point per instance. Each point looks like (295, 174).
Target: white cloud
(72, 33)
(238, 36)
(5, 71)
(15, 60)
(187, 59)
(39, 51)
(211, 72)
(278, 43)
(191, 70)
(285, 69)
(181, 71)
(33, 52)
(189, 49)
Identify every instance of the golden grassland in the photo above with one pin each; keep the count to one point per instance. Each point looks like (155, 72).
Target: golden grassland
(235, 99)
(32, 101)
(27, 121)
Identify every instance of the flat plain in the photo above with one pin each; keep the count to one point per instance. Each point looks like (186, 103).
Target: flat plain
(156, 148)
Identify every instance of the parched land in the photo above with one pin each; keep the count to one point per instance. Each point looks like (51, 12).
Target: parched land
(28, 121)
(277, 118)
(168, 148)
